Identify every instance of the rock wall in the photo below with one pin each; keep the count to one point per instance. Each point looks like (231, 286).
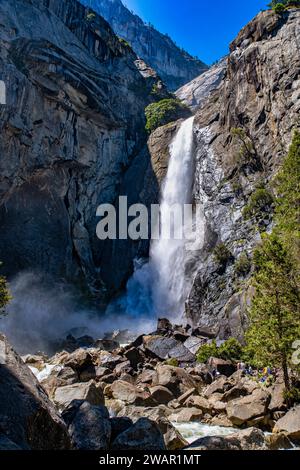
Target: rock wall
(260, 94)
(175, 66)
(72, 137)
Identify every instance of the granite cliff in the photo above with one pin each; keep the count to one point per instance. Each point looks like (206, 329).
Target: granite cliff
(175, 66)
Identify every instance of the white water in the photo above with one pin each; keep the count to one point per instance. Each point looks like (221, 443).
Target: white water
(193, 431)
(160, 287)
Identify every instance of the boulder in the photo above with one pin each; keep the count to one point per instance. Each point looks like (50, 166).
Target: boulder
(161, 395)
(137, 412)
(164, 325)
(119, 424)
(249, 439)
(186, 415)
(278, 441)
(277, 402)
(160, 346)
(181, 353)
(130, 394)
(220, 385)
(199, 402)
(173, 439)
(107, 344)
(245, 409)
(226, 368)
(28, 419)
(244, 387)
(135, 357)
(174, 378)
(87, 391)
(90, 428)
(144, 435)
(193, 343)
(122, 368)
(146, 377)
(290, 424)
(79, 359)
(183, 398)
(203, 331)
(109, 360)
(7, 444)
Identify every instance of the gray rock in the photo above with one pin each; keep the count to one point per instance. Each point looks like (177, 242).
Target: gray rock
(89, 429)
(173, 65)
(87, 391)
(144, 435)
(249, 439)
(28, 419)
(245, 409)
(290, 424)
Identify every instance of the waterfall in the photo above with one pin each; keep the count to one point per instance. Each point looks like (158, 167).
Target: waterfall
(160, 287)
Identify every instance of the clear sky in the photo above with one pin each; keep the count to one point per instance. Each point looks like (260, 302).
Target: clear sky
(202, 27)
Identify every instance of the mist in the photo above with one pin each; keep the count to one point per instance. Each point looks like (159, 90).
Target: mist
(43, 312)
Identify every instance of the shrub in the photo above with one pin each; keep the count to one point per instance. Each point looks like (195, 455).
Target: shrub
(260, 202)
(243, 265)
(231, 350)
(165, 111)
(292, 396)
(206, 351)
(222, 254)
(279, 8)
(172, 362)
(4, 293)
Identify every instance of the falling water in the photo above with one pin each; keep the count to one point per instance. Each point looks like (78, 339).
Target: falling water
(160, 287)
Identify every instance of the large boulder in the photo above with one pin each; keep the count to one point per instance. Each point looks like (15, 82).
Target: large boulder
(144, 435)
(130, 394)
(277, 402)
(226, 368)
(164, 348)
(290, 424)
(90, 428)
(88, 391)
(161, 395)
(249, 439)
(172, 437)
(186, 415)
(177, 380)
(27, 417)
(244, 410)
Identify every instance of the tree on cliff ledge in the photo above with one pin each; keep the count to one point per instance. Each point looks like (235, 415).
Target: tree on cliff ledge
(4, 294)
(275, 309)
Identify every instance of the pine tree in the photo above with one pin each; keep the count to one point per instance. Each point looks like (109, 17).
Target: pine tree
(275, 310)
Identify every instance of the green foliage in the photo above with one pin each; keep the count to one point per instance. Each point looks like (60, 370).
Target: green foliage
(292, 396)
(4, 294)
(165, 111)
(124, 42)
(206, 351)
(172, 362)
(287, 208)
(281, 5)
(243, 265)
(90, 16)
(275, 312)
(247, 156)
(222, 254)
(260, 203)
(279, 8)
(230, 350)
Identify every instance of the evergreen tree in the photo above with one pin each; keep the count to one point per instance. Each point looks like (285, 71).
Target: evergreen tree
(4, 293)
(275, 310)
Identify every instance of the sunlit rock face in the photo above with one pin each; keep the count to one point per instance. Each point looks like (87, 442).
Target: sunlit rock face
(256, 89)
(175, 66)
(72, 137)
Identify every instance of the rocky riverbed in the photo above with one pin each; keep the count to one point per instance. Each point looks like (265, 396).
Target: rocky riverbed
(98, 395)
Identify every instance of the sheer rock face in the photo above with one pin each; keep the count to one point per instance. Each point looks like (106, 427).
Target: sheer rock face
(72, 137)
(260, 94)
(195, 93)
(28, 419)
(174, 66)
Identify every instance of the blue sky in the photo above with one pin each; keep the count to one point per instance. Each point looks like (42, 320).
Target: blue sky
(203, 28)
